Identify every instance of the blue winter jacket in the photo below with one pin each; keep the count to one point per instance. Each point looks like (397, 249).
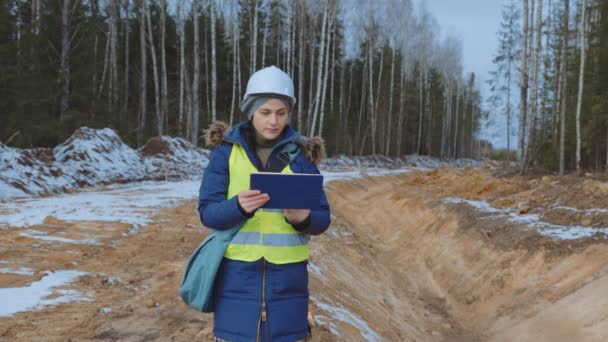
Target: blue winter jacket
(238, 287)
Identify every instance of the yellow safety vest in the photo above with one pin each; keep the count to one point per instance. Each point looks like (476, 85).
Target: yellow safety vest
(266, 234)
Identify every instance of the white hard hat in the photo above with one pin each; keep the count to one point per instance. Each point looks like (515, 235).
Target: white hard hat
(270, 80)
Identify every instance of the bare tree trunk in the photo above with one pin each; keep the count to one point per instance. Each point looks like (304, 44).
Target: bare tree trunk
(94, 79)
(311, 84)
(557, 80)
(65, 58)
(125, 108)
(143, 81)
(33, 19)
(301, 67)
(400, 120)
(182, 65)
(446, 113)
(534, 95)
(523, 96)
(189, 105)
(265, 36)
(278, 50)
(235, 46)
(293, 39)
(509, 105)
(362, 102)
(581, 78)
(325, 73)
(106, 59)
(289, 20)
(18, 25)
(195, 76)
(238, 72)
(375, 113)
(390, 105)
(420, 103)
(254, 41)
(333, 62)
(159, 113)
(348, 141)
(163, 64)
(36, 17)
(213, 65)
(370, 56)
(564, 70)
(340, 129)
(319, 75)
(113, 81)
(456, 123)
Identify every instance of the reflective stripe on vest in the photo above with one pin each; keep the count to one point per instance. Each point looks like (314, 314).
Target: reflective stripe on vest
(266, 234)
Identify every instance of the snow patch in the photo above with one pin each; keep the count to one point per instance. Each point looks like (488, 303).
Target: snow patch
(20, 270)
(36, 295)
(534, 220)
(133, 204)
(315, 269)
(585, 211)
(343, 315)
(40, 235)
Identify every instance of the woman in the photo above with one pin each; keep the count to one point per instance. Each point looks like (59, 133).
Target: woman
(261, 290)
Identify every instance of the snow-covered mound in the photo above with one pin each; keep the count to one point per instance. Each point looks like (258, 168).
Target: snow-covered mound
(29, 172)
(95, 156)
(92, 156)
(168, 157)
(342, 162)
(98, 156)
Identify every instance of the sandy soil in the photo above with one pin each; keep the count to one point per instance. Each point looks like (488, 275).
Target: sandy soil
(398, 264)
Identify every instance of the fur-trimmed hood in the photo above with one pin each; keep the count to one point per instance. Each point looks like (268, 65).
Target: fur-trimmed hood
(312, 148)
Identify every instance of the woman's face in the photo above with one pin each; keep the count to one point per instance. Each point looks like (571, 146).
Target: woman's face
(270, 119)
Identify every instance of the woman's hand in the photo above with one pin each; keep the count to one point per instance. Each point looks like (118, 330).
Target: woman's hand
(295, 216)
(250, 200)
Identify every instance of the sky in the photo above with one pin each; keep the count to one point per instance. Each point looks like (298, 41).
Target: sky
(476, 23)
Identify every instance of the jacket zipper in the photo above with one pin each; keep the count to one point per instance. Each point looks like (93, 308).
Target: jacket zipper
(263, 310)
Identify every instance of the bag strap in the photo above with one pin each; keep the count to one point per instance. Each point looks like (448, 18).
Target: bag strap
(288, 153)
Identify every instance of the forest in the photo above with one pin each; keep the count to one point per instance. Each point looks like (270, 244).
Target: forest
(551, 77)
(371, 77)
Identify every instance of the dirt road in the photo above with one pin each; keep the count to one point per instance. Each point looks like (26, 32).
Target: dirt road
(444, 255)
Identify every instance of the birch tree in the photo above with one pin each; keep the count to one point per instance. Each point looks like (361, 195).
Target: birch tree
(65, 58)
(195, 76)
(125, 108)
(523, 93)
(325, 73)
(143, 80)
(254, 40)
(179, 27)
(534, 93)
(235, 52)
(301, 65)
(159, 113)
(113, 80)
(213, 64)
(564, 88)
(319, 73)
(163, 64)
(581, 77)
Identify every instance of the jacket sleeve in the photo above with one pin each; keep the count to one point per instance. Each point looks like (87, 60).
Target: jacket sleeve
(319, 219)
(217, 212)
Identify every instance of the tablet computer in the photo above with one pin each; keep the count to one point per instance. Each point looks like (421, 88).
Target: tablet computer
(289, 190)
